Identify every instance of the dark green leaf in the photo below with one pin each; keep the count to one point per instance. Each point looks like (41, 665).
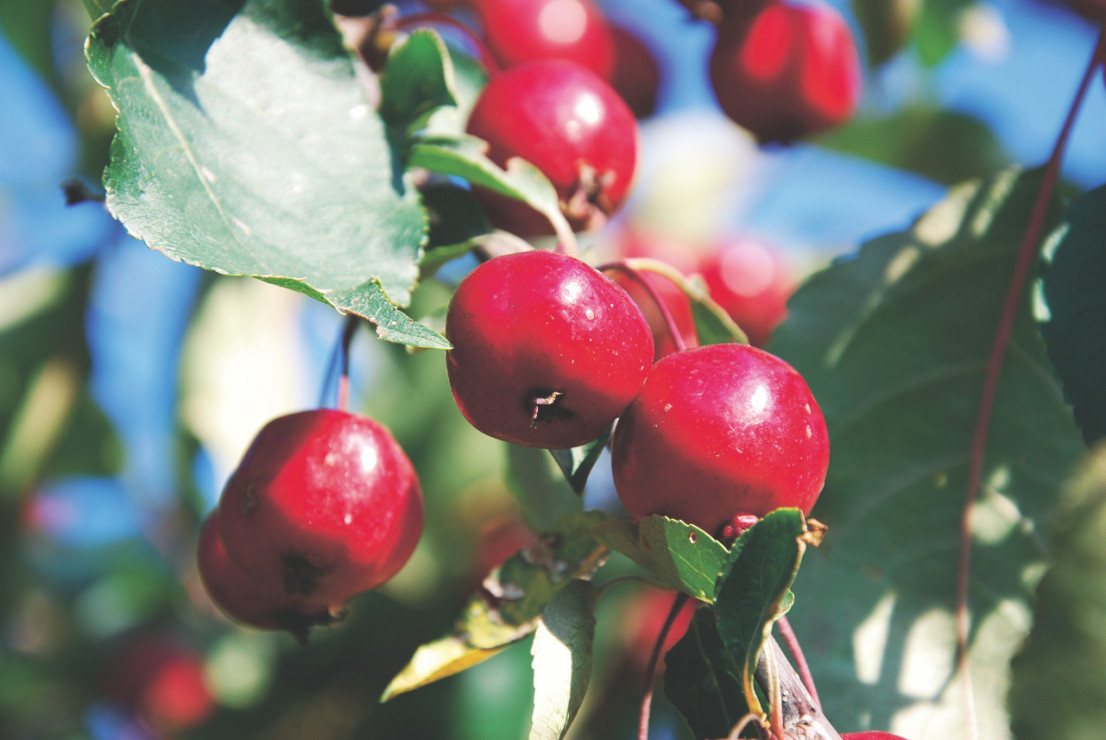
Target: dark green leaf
(702, 680)
(680, 555)
(1059, 687)
(416, 82)
(1072, 309)
(943, 145)
(754, 586)
(894, 342)
(886, 25)
(576, 463)
(245, 145)
(562, 652)
(456, 224)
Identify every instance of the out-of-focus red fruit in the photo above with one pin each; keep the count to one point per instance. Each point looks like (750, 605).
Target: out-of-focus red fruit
(571, 125)
(256, 602)
(645, 615)
(716, 431)
(518, 31)
(500, 539)
(679, 307)
(636, 75)
(162, 682)
(751, 283)
(788, 73)
(324, 503)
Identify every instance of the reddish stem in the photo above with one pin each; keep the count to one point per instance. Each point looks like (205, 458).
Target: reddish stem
(655, 297)
(796, 651)
(1027, 251)
(435, 18)
(654, 659)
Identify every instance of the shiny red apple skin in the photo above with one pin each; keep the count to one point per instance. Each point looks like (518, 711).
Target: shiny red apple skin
(518, 31)
(788, 73)
(720, 430)
(570, 124)
(674, 299)
(324, 502)
(524, 326)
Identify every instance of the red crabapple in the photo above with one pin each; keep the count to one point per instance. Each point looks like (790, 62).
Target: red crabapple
(717, 431)
(518, 31)
(571, 125)
(751, 283)
(546, 352)
(789, 72)
(324, 503)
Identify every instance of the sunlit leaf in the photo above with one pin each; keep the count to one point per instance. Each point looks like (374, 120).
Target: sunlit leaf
(894, 343)
(245, 145)
(562, 652)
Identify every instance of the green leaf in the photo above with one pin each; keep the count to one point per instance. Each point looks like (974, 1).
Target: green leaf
(562, 651)
(1071, 307)
(539, 486)
(753, 588)
(937, 31)
(465, 156)
(702, 680)
(886, 25)
(509, 603)
(576, 463)
(679, 555)
(1059, 687)
(894, 343)
(457, 223)
(245, 145)
(417, 80)
(943, 145)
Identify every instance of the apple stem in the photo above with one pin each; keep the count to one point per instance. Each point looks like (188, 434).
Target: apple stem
(1027, 251)
(436, 18)
(654, 296)
(801, 665)
(654, 659)
(542, 402)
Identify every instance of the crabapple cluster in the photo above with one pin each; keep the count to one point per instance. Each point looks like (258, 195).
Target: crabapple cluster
(548, 352)
(324, 505)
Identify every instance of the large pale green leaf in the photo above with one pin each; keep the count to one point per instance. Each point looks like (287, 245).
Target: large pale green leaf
(1071, 306)
(894, 343)
(679, 554)
(754, 586)
(245, 145)
(562, 659)
(1059, 687)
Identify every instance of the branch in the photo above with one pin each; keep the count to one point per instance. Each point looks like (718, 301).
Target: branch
(802, 719)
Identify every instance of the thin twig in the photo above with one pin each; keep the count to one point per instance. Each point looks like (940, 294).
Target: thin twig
(1027, 251)
(801, 665)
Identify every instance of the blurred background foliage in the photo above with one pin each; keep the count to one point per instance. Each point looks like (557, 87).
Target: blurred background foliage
(130, 384)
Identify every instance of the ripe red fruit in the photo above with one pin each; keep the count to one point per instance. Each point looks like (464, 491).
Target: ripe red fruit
(324, 503)
(718, 431)
(752, 284)
(256, 602)
(571, 125)
(546, 350)
(789, 72)
(518, 31)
